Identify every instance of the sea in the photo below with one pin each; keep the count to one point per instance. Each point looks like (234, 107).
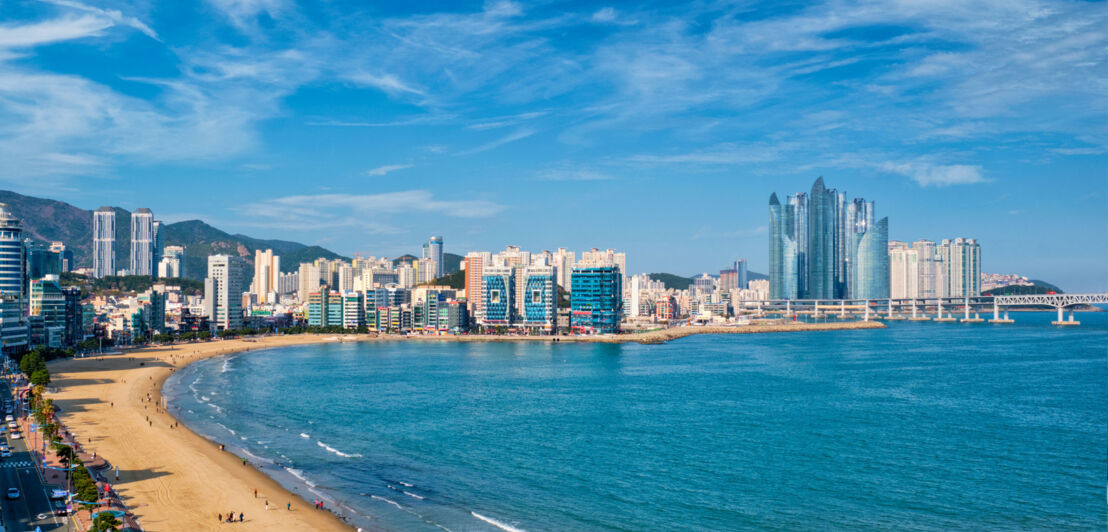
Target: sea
(920, 426)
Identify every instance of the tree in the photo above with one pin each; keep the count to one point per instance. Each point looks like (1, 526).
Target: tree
(40, 377)
(66, 454)
(105, 522)
(31, 362)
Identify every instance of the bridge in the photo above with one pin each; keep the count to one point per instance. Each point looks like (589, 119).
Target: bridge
(943, 308)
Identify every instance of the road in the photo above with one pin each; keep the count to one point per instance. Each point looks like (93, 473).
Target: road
(33, 508)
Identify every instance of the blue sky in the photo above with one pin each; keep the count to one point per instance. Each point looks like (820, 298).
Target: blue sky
(656, 128)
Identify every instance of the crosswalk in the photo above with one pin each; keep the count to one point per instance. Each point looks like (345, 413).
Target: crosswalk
(21, 463)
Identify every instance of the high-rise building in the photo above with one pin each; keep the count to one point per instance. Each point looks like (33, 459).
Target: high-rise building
(563, 260)
(872, 267)
(499, 292)
(172, 263)
(596, 300)
(103, 242)
(142, 242)
(65, 256)
(433, 250)
(932, 269)
(159, 244)
(223, 291)
(814, 244)
(475, 263)
(14, 333)
(962, 258)
(539, 287)
(904, 273)
(310, 280)
(267, 270)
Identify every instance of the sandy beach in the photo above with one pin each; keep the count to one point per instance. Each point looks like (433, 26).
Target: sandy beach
(174, 479)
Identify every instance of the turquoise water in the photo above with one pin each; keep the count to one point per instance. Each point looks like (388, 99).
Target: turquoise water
(919, 426)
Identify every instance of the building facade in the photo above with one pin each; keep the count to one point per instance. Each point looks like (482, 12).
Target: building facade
(596, 299)
(223, 292)
(267, 270)
(142, 242)
(103, 242)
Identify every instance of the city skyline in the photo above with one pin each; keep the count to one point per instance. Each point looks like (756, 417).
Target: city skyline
(674, 120)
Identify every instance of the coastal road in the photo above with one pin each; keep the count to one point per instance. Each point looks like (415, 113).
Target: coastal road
(23, 514)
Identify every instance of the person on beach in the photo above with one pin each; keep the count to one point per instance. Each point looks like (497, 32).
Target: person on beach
(255, 493)
(289, 506)
(220, 517)
(241, 519)
(267, 505)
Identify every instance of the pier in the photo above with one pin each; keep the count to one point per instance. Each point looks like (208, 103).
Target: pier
(932, 309)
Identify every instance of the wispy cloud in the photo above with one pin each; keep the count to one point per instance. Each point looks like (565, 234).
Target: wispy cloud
(382, 170)
(720, 154)
(50, 31)
(927, 174)
(115, 15)
(572, 174)
(511, 137)
(354, 210)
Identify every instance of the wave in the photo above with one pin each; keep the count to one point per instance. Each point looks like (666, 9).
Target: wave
(300, 475)
(392, 502)
(204, 398)
(410, 494)
(405, 484)
(302, 435)
(497, 524)
(336, 451)
(226, 366)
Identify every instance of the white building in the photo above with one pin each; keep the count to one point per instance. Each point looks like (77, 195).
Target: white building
(223, 291)
(904, 275)
(103, 242)
(142, 242)
(172, 264)
(267, 271)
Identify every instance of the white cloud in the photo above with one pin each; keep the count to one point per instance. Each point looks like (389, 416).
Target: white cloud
(388, 83)
(720, 154)
(114, 15)
(927, 174)
(572, 174)
(382, 170)
(368, 212)
(63, 29)
(605, 14)
(511, 137)
(243, 13)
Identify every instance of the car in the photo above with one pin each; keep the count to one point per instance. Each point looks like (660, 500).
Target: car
(17, 436)
(9, 418)
(60, 508)
(5, 454)
(13, 493)
(13, 425)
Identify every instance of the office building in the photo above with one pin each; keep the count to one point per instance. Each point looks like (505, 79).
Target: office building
(65, 256)
(564, 261)
(499, 291)
(267, 270)
(223, 292)
(539, 288)
(142, 242)
(103, 242)
(432, 250)
(14, 333)
(159, 243)
(596, 300)
(74, 315)
(172, 263)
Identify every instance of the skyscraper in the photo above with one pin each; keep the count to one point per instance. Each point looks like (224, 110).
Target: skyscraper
(539, 294)
(596, 301)
(904, 273)
(499, 292)
(103, 242)
(13, 296)
(142, 242)
(475, 263)
(814, 244)
(172, 263)
(433, 250)
(962, 260)
(159, 245)
(872, 270)
(223, 292)
(267, 270)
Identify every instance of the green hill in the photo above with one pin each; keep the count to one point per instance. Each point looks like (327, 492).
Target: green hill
(1037, 287)
(50, 220)
(677, 282)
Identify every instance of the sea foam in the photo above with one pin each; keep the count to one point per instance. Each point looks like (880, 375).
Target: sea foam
(336, 451)
(497, 524)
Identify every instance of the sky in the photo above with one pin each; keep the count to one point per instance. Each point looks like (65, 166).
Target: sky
(656, 128)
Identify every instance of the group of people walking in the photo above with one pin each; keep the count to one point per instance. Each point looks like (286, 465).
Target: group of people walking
(230, 518)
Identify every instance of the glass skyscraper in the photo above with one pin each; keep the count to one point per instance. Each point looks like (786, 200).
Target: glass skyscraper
(814, 245)
(872, 271)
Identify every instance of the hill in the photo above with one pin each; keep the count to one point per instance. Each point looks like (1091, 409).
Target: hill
(50, 220)
(1037, 287)
(451, 263)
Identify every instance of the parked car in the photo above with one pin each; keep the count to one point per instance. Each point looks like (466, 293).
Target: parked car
(13, 493)
(17, 436)
(60, 508)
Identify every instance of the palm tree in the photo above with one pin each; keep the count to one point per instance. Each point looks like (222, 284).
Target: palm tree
(105, 522)
(66, 454)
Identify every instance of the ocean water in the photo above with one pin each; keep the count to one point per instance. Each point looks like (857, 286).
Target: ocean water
(920, 426)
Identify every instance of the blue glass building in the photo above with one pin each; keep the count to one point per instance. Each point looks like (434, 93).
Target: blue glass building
(596, 299)
(499, 289)
(539, 308)
(872, 270)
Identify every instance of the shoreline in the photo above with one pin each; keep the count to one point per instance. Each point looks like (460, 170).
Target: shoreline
(172, 476)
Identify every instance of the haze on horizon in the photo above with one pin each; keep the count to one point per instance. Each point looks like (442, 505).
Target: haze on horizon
(659, 128)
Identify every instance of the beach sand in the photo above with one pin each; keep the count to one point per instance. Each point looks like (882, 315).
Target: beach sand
(172, 478)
